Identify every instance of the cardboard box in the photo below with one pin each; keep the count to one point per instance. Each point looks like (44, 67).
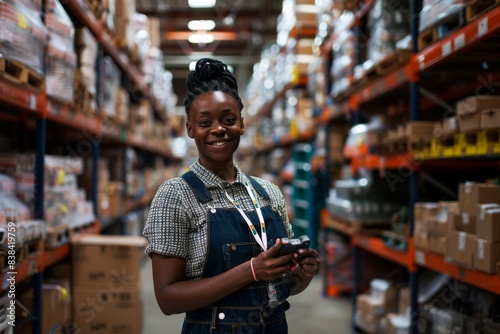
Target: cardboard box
(397, 324)
(487, 255)
(477, 103)
(419, 129)
(421, 241)
(404, 307)
(367, 322)
(460, 248)
(437, 244)
(424, 211)
(472, 194)
(469, 122)
(488, 227)
(56, 307)
(445, 127)
(369, 305)
(107, 311)
(107, 261)
(490, 119)
(465, 222)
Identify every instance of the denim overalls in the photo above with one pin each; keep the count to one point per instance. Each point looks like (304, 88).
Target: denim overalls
(230, 244)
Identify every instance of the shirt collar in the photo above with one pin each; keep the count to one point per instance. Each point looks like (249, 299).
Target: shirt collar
(210, 179)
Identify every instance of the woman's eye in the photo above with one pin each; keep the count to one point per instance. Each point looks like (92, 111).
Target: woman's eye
(204, 123)
(230, 120)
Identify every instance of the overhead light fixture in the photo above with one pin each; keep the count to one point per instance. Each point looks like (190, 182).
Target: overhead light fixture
(201, 38)
(205, 25)
(201, 3)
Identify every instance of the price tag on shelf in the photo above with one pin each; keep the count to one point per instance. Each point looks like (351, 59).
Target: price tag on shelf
(446, 49)
(421, 62)
(420, 257)
(459, 41)
(482, 27)
(33, 102)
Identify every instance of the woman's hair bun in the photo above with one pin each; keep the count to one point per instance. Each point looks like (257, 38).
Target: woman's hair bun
(206, 70)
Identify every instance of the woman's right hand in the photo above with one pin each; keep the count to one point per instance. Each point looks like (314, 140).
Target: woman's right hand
(269, 265)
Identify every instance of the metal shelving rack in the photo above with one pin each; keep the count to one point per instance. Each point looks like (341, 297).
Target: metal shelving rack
(407, 80)
(30, 101)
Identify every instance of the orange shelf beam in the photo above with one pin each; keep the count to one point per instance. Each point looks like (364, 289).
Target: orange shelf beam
(481, 28)
(377, 246)
(64, 114)
(489, 282)
(85, 17)
(373, 161)
(383, 84)
(21, 96)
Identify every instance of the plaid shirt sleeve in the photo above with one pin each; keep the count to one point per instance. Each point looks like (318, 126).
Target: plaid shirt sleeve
(166, 228)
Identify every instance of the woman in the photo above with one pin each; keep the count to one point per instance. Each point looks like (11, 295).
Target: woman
(214, 234)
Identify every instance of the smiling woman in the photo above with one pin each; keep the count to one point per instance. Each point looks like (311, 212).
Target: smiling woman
(214, 234)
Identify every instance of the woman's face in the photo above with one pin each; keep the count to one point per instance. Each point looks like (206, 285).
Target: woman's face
(215, 124)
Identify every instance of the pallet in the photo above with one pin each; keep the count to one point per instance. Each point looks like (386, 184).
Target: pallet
(476, 8)
(351, 227)
(442, 28)
(56, 236)
(33, 248)
(392, 61)
(19, 72)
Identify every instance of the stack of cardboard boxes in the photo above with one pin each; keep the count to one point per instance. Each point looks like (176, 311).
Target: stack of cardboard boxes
(383, 300)
(478, 112)
(466, 232)
(106, 282)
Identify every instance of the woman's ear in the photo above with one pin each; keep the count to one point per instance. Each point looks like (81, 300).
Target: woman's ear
(189, 130)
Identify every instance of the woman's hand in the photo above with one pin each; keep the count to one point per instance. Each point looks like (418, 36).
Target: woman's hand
(269, 265)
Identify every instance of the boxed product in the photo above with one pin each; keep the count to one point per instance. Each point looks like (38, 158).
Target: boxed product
(439, 224)
(437, 244)
(397, 324)
(108, 311)
(469, 122)
(404, 307)
(487, 255)
(471, 194)
(490, 119)
(488, 227)
(368, 323)
(465, 222)
(460, 248)
(56, 305)
(477, 103)
(107, 261)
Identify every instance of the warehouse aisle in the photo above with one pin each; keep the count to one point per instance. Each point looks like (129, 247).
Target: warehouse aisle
(309, 312)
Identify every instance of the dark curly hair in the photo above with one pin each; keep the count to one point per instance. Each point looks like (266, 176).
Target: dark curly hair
(210, 75)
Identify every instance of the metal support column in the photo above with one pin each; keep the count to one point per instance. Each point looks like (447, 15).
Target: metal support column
(41, 124)
(356, 256)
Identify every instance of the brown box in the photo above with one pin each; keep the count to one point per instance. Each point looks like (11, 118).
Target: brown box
(477, 103)
(404, 306)
(304, 46)
(487, 255)
(445, 127)
(367, 322)
(460, 248)
(472, 194)
(490, 119)
(107, 261)
(425, 210)
(469, 122)
(419, 129)
(108, 311)
(397, 324)
(369, 305)
(488, 227)
(56, 307)
(124, 9)
(465, 222)
(437, 244)
(440, 223)
(421, 241)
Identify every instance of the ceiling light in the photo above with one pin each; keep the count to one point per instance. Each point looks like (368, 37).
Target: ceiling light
(205, 25)
(201, 3)
(201, 38)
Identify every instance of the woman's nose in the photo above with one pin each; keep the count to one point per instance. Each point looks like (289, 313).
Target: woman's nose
(218, 129)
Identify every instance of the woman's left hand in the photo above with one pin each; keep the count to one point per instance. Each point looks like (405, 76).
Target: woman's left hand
(308, 261)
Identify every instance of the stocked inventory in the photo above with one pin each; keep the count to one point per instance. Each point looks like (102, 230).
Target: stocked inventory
(378, 120)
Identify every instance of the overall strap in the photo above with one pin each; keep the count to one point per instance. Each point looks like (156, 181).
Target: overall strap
(200, 190)
(260, 189)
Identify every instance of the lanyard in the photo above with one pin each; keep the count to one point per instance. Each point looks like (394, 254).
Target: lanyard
(262, 242)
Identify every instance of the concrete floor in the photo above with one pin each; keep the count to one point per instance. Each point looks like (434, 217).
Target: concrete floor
(310, 312)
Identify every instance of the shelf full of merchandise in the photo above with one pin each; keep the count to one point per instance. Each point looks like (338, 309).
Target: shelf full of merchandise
(455, 47)
(23, 102)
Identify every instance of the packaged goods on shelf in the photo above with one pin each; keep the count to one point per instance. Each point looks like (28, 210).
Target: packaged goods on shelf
(141, 35)
(23, 36)
(344, 53)
(447, 321)
(124, 31)
(111, 75)
(490, 119)
(388, 23)
(436, 11)
(86, 47)
(56, 303)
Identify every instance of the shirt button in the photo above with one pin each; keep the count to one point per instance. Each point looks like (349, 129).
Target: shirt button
(233, 247)
(222, 316)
